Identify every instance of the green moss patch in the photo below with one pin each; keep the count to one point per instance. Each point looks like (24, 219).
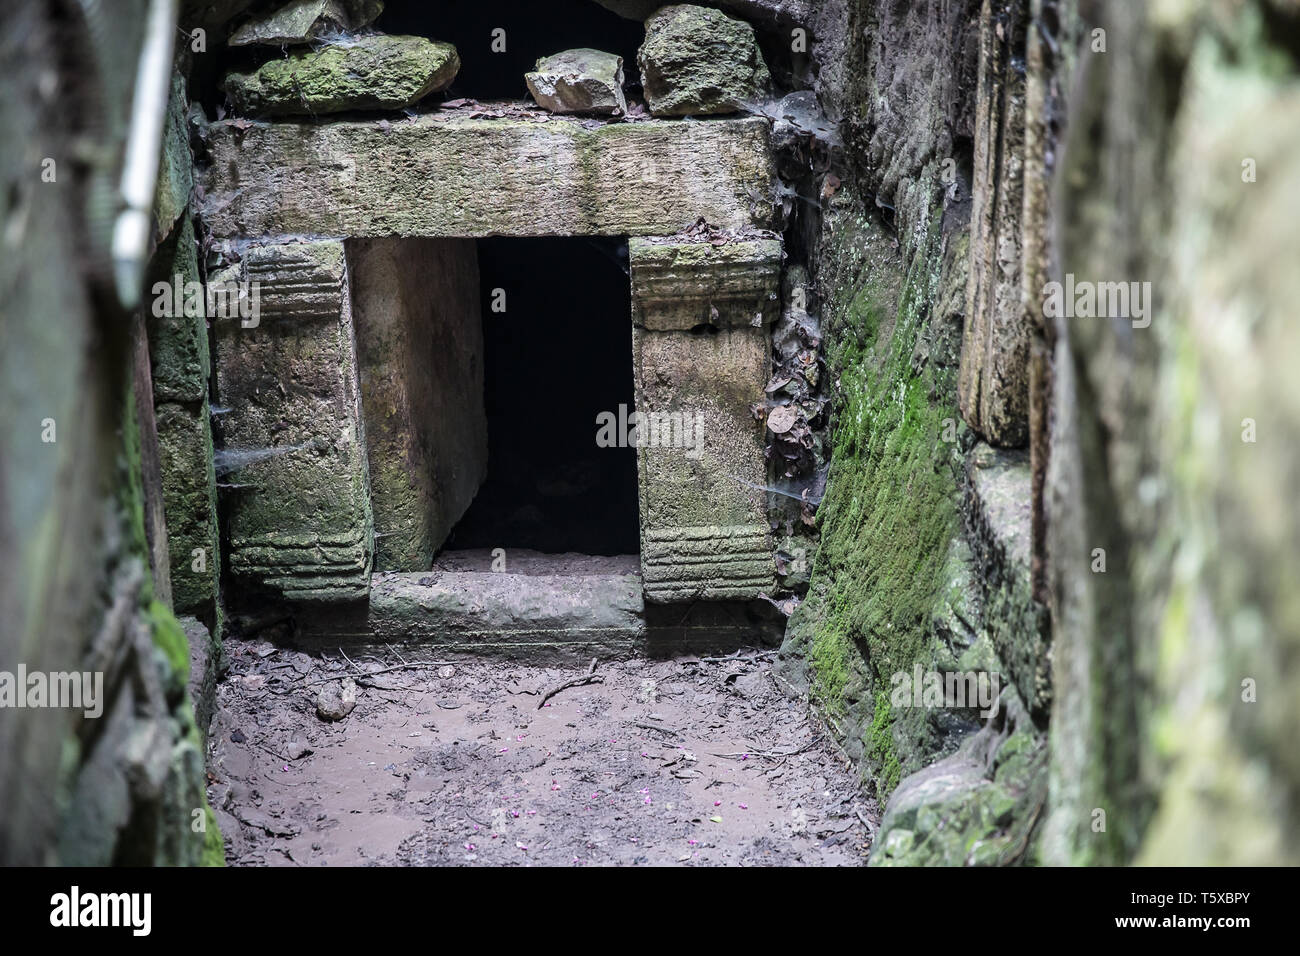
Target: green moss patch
(890, 508)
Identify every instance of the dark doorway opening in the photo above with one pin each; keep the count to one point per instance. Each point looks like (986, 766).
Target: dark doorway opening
(531, 30)
(556, 358)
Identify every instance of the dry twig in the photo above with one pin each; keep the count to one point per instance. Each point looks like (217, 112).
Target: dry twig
(591, 677)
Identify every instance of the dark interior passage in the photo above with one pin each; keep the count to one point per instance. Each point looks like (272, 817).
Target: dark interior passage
(556, 358)
(532, 29)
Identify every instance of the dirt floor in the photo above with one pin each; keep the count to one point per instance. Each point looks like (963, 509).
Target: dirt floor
(680, 762)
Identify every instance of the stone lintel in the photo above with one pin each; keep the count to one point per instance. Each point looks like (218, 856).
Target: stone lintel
(445, 175)
(681, 285)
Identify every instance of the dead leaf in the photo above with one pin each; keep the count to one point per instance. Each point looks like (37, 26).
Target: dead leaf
(782, 418)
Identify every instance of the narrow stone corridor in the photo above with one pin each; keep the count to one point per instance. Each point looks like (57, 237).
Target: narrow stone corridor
(636, 433)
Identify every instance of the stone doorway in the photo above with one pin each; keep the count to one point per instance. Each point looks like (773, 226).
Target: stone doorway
(557, 345)
(337, 374)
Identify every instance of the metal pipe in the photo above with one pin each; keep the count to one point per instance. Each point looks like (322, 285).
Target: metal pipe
(132, 230)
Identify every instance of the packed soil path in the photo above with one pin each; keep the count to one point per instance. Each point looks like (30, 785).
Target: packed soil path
(681, 762)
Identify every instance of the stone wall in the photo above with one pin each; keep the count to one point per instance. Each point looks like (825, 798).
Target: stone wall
(1106, 523)
(1172, 445)
(82, 510)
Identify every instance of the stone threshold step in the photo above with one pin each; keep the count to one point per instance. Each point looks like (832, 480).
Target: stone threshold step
(542, 607)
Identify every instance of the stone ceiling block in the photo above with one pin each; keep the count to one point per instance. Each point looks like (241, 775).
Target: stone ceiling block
(371, 72)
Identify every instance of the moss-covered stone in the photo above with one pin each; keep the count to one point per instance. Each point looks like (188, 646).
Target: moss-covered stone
(360, 73)
(176, 166)
(889, 514)
(997, 510)
(214, 847)
(169, 638)
(178, 331)
(189, 500)
(698, 61)
(1173, 450)
(178, 348)
(981, 806)
(179, 356)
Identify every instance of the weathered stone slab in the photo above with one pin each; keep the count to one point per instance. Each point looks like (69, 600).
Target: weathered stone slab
(697, 61)
(202, 684)
(301, 21)
(176, 165)
(579, 81)
(145, 450)
(415, 305)
(447, 175)
(178, 329)
(368, 72)
(299, 511)
(680, 285)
